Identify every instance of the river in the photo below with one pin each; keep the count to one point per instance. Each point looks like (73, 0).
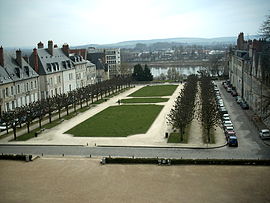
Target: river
(156, 71)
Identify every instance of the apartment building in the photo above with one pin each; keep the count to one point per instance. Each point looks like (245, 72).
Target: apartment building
(250, 76)
(19, 83)
(55, 68)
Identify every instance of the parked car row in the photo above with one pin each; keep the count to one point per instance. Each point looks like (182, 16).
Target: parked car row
(229, 88)
(225, 118)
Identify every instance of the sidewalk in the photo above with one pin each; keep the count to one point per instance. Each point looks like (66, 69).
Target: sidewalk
(154, 137)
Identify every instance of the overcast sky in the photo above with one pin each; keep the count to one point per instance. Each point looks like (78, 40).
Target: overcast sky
(78, 22)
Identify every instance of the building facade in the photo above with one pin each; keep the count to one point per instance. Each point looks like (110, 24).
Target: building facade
(250, 76)
(19, 83)
(56, 70)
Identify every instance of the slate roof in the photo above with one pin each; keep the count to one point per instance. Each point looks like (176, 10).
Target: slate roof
(95, 58)
(49, 64)
(12, 71)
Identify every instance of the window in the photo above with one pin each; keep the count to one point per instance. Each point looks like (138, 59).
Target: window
(7, 91)
(70, 76)
(27, 87)
(12, 90)
(49, 67)
(3, 93)
(35, 84)
(18, 89)
(31, 85)
(69, 87)
(7, 105)
(51, 93)
(59, 79)
(13, 105)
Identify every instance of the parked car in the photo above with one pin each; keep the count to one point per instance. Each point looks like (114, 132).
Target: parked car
(226, 118)
(229, 89)
(232, 141)
(244, 105)
(222, 110)
(228, 129)
(229, 134)
(221, 104)
(239, 100)
(264, 134)
(234, 93)
(227, 124)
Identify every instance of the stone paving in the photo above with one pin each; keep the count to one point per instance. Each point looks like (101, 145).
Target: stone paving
(155, 136)
(85, 180)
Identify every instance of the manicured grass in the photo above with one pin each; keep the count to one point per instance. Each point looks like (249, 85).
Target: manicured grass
(144, 100)
(155, 91)
(175, 137)
(118, 121)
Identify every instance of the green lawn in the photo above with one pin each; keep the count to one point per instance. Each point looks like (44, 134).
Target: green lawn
(144, 100)
(155, 91)
(175, 137)
(118, 121)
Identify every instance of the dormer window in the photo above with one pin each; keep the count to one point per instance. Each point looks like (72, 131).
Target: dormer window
(69, 65)
(26, 69)
(57, 66)
(54, 66)
(64, 64)
(49, 67)
(17, 72)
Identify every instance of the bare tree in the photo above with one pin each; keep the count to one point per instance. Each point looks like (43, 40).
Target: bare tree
(183, 110)
(208, 115)
(265, 28)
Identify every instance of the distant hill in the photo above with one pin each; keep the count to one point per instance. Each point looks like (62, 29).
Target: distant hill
(183, 40)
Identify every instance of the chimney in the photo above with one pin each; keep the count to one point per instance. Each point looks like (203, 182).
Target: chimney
(65, 49)
(35, 60)
(50, 47)
(19, 57)
(55, 46)
(26, 58)
(1, 56)
(40, 45)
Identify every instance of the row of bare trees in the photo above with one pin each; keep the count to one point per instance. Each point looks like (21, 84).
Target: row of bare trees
(208, 114)
(38, 110)
(183, 110)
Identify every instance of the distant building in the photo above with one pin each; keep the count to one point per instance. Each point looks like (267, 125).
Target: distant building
(19, 83)
(250, 76)
(81, 52)
(111, 58)
(98, 58)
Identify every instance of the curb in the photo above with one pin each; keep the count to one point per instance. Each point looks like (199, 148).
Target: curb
(47, 145)
(165, 147)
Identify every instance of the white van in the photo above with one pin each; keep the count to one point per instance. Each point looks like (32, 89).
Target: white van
(264, 134)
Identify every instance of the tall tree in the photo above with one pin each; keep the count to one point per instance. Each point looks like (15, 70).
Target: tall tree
(265, 28)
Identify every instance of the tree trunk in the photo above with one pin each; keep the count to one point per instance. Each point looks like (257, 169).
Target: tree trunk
(39, 122)
(28, 127)
(14, 132)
